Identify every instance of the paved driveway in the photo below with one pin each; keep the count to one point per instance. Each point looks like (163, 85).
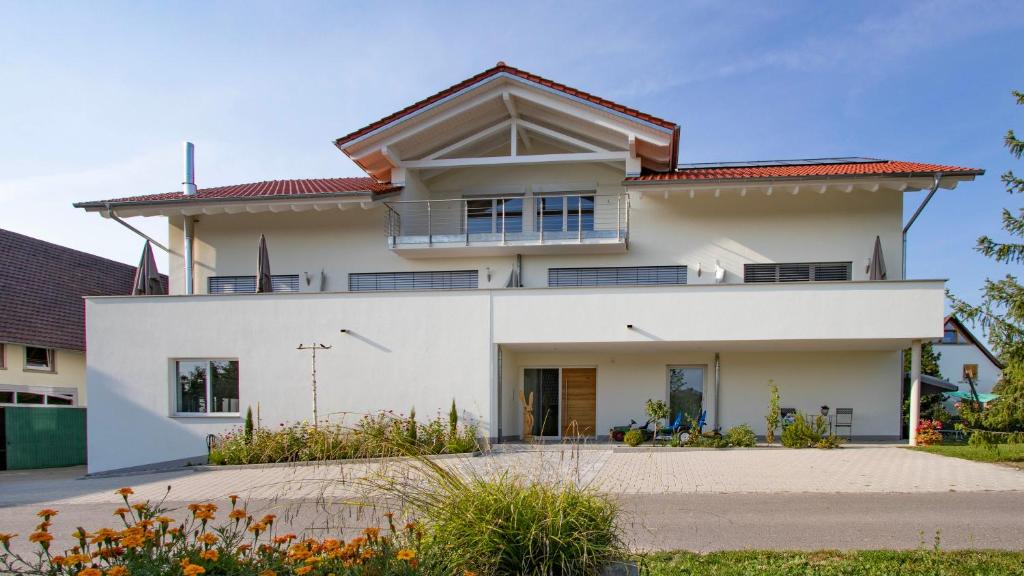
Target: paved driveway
(855, 497)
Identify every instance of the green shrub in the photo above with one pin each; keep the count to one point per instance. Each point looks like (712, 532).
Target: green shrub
(633, 438)
(741, 437)
(805, 431)
(374, 436)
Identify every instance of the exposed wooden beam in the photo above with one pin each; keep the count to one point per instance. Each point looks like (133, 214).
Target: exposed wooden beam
(556, 135)
(391, 156)
(513, 147)
(518, 160)
(468, 140)
(513, 112)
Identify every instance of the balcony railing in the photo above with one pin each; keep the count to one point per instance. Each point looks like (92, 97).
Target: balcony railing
(513, 221)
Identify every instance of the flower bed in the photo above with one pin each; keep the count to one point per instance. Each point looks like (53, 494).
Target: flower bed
(374, 436)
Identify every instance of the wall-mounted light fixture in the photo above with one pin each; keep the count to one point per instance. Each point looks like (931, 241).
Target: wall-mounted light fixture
(629, 326)
(344, 330)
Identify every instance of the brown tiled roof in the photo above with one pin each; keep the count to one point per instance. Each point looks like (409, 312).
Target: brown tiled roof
(501, 67)
(41, 290)
(802, 169)
(263, 190)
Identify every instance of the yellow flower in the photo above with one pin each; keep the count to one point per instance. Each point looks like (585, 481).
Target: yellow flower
(40, 537)
(80, 534)
(126, 492)
(117, 571)
(45, 513)
(211, 555)
(303, 570)
(405, 554)
(89, 572)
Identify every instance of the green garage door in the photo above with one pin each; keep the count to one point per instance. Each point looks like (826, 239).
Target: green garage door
(40, 437)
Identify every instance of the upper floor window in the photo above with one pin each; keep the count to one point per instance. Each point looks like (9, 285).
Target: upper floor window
(37, 396)
(494, 215)
(41, 359)
(950, 336)
(619, 276)
(246, 284)
(565, 213)
(797, 272)
(206, 386)
(443, 280)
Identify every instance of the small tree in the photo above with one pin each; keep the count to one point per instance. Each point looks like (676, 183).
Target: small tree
(453, 421)
(771, 419)
(248, 425)
(657, 411)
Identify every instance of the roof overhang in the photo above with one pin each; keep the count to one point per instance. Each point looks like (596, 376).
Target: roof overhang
(472, 124)
(907, 182)
(237, 205)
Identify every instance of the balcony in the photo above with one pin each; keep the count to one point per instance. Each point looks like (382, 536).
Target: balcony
(479, 226)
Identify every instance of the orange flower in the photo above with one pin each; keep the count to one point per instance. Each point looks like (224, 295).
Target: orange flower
(303, 570)
(258, 527)
(211, 555)
(193, 570)
(371, 533)
(207, 538)
(117, 571)
(268, 573)
(80, 534)
(140, 507)
(44, 525)
(125, 492)
(284, 538)
(164, 520)
(233, 498)
(468, 573)
(405, 554)
(238, 514)
(5, 539)
(46, 513)
(268, 519)
(90, 572)
(121, 511)
(77, 559)
(40, 537)
(243, 548)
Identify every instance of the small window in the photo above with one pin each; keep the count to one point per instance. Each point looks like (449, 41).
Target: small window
(445, 280)
(39, 359)
(247, 284)
(38, 396)
(206, 386)
(6, 397)
(970, 372)
(617, 276)
(797, 272)
(3, 356)
(950, 336)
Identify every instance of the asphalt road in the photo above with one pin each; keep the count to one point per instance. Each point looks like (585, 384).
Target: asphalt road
(699, 522)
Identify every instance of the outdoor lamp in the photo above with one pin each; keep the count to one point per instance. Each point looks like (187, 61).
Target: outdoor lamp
(824, 410)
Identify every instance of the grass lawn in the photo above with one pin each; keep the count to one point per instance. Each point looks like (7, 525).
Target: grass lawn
(1011, 454)
(832, 563)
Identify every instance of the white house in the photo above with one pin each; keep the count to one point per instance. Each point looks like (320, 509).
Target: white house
(963, 355)
(514, 233)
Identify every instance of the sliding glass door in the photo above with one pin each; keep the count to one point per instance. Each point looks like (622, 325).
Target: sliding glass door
(685, 392)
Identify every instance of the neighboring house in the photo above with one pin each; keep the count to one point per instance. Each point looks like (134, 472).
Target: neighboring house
(963, 354)
(640, 278)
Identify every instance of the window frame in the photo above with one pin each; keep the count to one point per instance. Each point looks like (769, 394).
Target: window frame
(44, 391)
(3, 356)
(175, 413)
(51, 357)
(280, 282)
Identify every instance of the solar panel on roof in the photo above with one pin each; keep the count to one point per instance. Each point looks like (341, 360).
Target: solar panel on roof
(796, 162)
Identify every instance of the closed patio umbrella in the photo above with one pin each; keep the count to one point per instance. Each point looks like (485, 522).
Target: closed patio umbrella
(263, 268)
(147, 277)
(877, 269)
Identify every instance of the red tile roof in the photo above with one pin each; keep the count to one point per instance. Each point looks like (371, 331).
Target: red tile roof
(41, 290)
(264, 190)
(501, 67)
(802, 169)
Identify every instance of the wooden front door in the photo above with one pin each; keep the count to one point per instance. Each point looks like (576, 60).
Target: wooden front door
(579, 402)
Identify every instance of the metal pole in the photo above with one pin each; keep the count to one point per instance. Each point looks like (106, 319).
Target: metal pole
(540, 218)
(465, 212)
(579, 219)
(502, 222)
(618, 217)
(314, 347)
(430, 235)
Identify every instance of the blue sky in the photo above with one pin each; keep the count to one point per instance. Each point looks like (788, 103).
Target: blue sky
(96, 98)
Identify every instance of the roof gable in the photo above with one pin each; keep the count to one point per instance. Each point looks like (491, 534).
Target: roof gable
(960, 327)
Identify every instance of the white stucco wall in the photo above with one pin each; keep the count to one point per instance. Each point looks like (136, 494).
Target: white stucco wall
(808, 227)
(69, 373)
(404, 350)
(952, 361)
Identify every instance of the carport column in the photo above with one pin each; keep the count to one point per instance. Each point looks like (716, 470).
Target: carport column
(915, 391)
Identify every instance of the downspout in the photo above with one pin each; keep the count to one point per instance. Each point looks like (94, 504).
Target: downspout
(913, 218)
(188, 188)
(718, 381)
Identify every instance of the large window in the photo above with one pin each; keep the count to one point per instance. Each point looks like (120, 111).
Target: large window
(444, 280)
(39, 359)
(206, 386)
(564, 213)
(244, 284)
(37, 396)
(797, 272)
(685, 392)
(617, 276)
(494, 215)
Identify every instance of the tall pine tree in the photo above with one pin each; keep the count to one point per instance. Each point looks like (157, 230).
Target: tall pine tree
(1001, 311)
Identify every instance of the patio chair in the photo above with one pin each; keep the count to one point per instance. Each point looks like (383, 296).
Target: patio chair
(844, 419)
(667, 433)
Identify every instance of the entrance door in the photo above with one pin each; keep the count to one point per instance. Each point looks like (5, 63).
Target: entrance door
(579, 402)
(541, 393)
